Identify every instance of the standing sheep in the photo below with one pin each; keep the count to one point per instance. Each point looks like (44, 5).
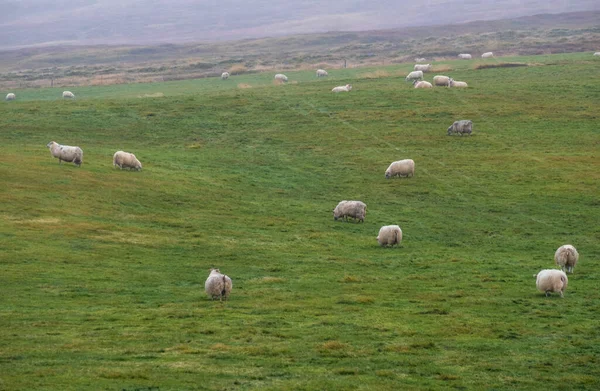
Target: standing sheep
(224, 75)
(422, 84)
(66, 153)
(417, 60)
(461, 127)
(11, 96)
(487, 55)
(440, 80)
(345, 88)
(68, 94)
(551, 280)
(126, 160)
(464, 56)
(566, 257)
(415, 75)
(322, 73)
(389, 235)
(281, 77)
(401, 168)
(355, 209)
(217, 285)
(422, 67)
(597, 54)
(457, 84)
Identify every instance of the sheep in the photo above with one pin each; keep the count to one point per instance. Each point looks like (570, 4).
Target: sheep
(422, 84)
(217, 285)
(457, 84)
(415, 75)
(126, 160)
(401, 168)
(420, 59)
(566, 257)
(354, 209)
(389, 235)
(440, 80)
(11, 96)
(422, 67)
(461, 127)
(224, 75)
(68, 94)
(66, 153)
(464, 56)
(597, 54)
(281, 77)
(322, 73)
(551, 280)
(345, 88)
(487, 55)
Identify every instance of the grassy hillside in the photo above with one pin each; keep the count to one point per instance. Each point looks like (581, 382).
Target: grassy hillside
(102, 271)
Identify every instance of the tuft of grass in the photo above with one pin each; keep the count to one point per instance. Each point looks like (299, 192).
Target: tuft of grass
(500, 65)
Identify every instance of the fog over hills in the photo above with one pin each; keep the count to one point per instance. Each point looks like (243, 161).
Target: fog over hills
(84, 22)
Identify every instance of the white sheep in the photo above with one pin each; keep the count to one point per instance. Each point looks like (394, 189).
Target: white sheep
(440, 80)
(217, 285)
(420, 59)
(566, 257)
(322, 73)
(464, 56)
(401, 168)
(461, 127)
(345, 88)
(355, 209)
(422, 67)
(224, 75)
(68, 94)
(551, 280)
(415, 75)
(422, 84)
(126, 160)
(11, 96)
(281, 77)
(389, 235)
(487, 55)
(457, 84)
(597, 54)
(66, 153)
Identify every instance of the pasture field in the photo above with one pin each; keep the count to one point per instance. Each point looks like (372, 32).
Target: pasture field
(102, 271)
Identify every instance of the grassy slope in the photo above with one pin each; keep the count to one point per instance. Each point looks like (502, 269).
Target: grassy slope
(102, 271)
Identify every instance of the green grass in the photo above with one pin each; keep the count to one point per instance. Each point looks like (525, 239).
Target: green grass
(102, 271)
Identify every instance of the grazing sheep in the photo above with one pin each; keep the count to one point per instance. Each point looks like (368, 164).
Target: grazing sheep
(217, 285)
(355, 209)
(415, 75)
(389, 235)
(126, 160)
(68, 94)
(464, 56)
(224, 75)
(420, 59)
(281, 77)
(422, 84)
(461, 127)
(401, 168)
(440, 80)
(322, 73)
(551, 280)
(487, 55)
(345, 88)
(457, 84)
(566, 257)
(422, 67)
(597, 54)
(66, 153)
(11, 96)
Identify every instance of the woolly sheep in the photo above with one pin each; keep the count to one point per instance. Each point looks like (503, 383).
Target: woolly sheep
(422, 84)
(422, 67)
(487, 55)
(322, 73)
(68, 94)
(566, 257)
(461, 127)
(224, 75)
(217, 285)
(126, 160)
(551, 280)
(597, 54)
(355, 209)
(420, 59)
(66, 153)
(415, 75)
(345, 88)
(401, 168)
(457, 84)
(11, 96)
(464, 56)
(440, 80)
(281, 77)
(389, 235)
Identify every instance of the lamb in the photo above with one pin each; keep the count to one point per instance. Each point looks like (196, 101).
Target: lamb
(440, 80)
(566, 257)
(322, 73)
(597, 54)
(217, 285)
(415, 75)
(422, 67)
(461, 127)
(389, 235)
(281, 77)
(345, 88)
(11, 96)
(355, 209)
(401, 168)
(422, 84)
(66, 153)
(487, 55)
(551, 280)
(464, 56)
(224, 75)
(68, 94)
(126, 160)
(457, 84)
(420, 59)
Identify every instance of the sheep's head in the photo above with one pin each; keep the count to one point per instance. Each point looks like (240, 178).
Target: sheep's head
(348, 87)
(50, 144)
(388, 174)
